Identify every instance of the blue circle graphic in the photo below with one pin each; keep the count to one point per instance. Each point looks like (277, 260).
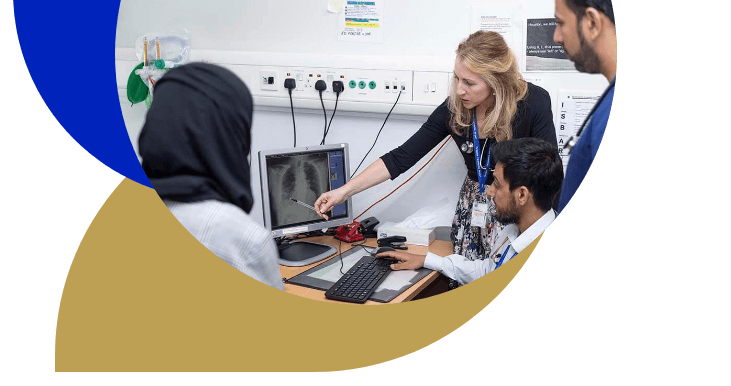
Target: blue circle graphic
(68, 48)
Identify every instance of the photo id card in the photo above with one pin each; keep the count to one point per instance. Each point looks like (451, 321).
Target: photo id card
(479, 214)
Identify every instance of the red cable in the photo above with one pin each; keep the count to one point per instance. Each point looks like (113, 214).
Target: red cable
(409, 179)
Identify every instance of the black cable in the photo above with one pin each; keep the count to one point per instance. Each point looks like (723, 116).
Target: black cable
(341, 258)
(337, 96)
(363, 246)
(324, 130)
(321, 86)
(379, 133)
(354, 245)
(294, 126)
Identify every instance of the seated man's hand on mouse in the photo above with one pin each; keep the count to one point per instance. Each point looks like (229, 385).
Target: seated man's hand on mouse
(406, 260)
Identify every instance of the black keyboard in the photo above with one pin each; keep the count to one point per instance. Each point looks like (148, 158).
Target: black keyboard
(357, 285)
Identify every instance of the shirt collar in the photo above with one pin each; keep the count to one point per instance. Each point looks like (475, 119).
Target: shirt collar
(519, 242)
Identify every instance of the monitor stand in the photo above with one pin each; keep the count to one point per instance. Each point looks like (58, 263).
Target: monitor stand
(303, 253)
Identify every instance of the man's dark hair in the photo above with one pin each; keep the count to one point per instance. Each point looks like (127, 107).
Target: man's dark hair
(579, 7)
(533, 163)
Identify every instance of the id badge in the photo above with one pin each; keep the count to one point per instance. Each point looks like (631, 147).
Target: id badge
(479, 214)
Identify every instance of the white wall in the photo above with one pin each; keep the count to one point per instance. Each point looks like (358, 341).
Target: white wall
(412, 29)
(294, 26)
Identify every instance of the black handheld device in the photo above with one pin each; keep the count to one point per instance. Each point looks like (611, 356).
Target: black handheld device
(393, 242)
(368, 227)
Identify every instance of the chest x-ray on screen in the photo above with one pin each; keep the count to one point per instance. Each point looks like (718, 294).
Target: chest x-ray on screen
(303, 177)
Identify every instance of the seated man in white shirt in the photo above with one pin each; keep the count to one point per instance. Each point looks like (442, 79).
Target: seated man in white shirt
(528, 177)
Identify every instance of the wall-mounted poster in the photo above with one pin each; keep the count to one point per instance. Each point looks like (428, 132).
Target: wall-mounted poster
(361, 21)
(541, 53)
(574, 107)
(508, 22)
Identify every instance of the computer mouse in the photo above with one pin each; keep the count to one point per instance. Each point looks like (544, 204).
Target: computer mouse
(382, 249)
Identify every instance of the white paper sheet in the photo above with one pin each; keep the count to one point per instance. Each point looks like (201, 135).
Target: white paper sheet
(361, 21)
(507, 21)
(574, 107)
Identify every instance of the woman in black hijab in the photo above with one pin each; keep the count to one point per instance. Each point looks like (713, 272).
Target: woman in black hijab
(195, 146)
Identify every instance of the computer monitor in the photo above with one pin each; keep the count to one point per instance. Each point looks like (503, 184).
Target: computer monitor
(302, 174)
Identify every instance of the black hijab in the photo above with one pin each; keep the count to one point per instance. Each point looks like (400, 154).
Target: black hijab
(196, 138)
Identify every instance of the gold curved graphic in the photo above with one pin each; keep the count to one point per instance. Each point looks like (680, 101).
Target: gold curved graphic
(143, 295)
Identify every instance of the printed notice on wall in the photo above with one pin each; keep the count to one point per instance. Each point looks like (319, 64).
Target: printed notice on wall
(541, 53)
(361, 21)
(574, 107)
(506, 22)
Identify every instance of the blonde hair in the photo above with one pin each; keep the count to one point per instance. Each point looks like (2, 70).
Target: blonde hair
(486, 53)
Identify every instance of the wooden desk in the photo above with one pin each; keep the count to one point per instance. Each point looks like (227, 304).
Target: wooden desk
(439, 247)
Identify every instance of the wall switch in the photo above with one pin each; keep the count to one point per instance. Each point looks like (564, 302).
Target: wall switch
(434, 86)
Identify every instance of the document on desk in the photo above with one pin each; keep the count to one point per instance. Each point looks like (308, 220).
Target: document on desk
(332, 272)
(396, 279)
(326, 274)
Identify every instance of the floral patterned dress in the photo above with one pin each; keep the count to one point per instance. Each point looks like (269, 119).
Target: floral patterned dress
(471, 242)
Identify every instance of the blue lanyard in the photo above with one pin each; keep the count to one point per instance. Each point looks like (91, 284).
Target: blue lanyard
(499, 263)
(481, 173)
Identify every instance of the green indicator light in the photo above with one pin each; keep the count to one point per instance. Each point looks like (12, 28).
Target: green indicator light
(361, 84)
(352, 84)
(372, 85)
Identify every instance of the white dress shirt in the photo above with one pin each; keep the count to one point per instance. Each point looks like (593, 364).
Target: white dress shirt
(464, 270)
(228, 232)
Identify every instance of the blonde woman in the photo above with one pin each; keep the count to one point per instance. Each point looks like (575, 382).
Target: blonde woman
(489, 102)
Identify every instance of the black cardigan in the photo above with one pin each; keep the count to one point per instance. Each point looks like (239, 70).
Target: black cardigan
(533, 118)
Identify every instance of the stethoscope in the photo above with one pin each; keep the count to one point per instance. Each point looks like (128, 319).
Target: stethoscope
(474, 147)
(575, 138)
(468, 147)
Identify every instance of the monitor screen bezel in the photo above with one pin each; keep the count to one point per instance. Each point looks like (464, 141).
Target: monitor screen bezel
(302, 228)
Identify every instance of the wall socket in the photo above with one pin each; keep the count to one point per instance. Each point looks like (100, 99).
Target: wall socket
(269, 80)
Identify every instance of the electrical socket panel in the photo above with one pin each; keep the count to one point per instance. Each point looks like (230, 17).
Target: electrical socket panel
(359, 85)
(364, 89)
